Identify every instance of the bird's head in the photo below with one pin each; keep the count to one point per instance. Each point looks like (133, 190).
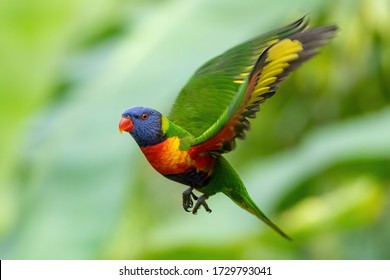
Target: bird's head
(144, 124)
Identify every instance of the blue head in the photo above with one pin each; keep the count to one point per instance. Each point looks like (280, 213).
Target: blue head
(144, 124)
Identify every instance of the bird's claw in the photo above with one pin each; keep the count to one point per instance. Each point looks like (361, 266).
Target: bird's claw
(188, 197)
(188, 201)
(201, 202)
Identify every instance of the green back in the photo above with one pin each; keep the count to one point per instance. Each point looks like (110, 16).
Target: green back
(215, 84)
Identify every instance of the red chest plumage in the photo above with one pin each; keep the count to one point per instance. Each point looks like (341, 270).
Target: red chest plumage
(167, 158)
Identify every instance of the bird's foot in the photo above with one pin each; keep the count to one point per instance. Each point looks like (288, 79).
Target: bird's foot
(201, 202)
(188, 201)
(188, 197)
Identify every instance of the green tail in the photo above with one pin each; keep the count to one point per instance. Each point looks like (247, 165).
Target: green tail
(226, 177)
(241, 197)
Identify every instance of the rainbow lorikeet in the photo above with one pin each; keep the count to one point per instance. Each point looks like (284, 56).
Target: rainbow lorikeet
(214, 108)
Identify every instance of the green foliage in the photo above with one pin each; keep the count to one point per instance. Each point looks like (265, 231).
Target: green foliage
(317, 159)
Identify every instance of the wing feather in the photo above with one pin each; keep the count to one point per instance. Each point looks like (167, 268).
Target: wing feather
(271, 68)
(215, 84)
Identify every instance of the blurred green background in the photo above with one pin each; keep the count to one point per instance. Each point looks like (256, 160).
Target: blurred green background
(71, 187)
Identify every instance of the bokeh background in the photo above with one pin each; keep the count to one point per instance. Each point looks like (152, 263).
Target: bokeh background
(317, 160)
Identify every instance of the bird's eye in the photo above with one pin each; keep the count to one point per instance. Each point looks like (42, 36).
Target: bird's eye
(144, 116)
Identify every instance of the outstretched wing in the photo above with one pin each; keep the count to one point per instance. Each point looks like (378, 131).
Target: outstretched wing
(271, 67)
(216, 84)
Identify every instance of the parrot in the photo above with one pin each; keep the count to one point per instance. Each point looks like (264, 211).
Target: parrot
(213, 109)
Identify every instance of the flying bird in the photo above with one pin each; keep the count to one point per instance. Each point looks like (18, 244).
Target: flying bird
(214, 108)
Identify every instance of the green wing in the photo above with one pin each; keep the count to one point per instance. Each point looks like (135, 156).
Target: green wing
(216, 84)
(271, 68)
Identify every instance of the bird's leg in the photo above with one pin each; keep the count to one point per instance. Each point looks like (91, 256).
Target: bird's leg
(201, 202)
(188, 197)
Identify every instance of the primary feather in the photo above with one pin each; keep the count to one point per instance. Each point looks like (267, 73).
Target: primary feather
(271, 68)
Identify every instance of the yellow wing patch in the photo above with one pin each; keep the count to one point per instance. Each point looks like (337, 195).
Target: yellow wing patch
(278, 58)
(283, 49)
(240, 79)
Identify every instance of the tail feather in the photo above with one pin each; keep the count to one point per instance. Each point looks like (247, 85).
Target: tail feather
(225, 179)
(243, 200)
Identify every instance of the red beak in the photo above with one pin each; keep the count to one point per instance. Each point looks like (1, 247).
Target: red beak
(125, 125)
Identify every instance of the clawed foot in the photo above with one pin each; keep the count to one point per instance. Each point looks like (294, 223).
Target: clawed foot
(188, 197)
(199, 202)
(188, 201)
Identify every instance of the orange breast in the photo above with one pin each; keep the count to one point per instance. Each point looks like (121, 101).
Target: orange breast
(167, 158)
